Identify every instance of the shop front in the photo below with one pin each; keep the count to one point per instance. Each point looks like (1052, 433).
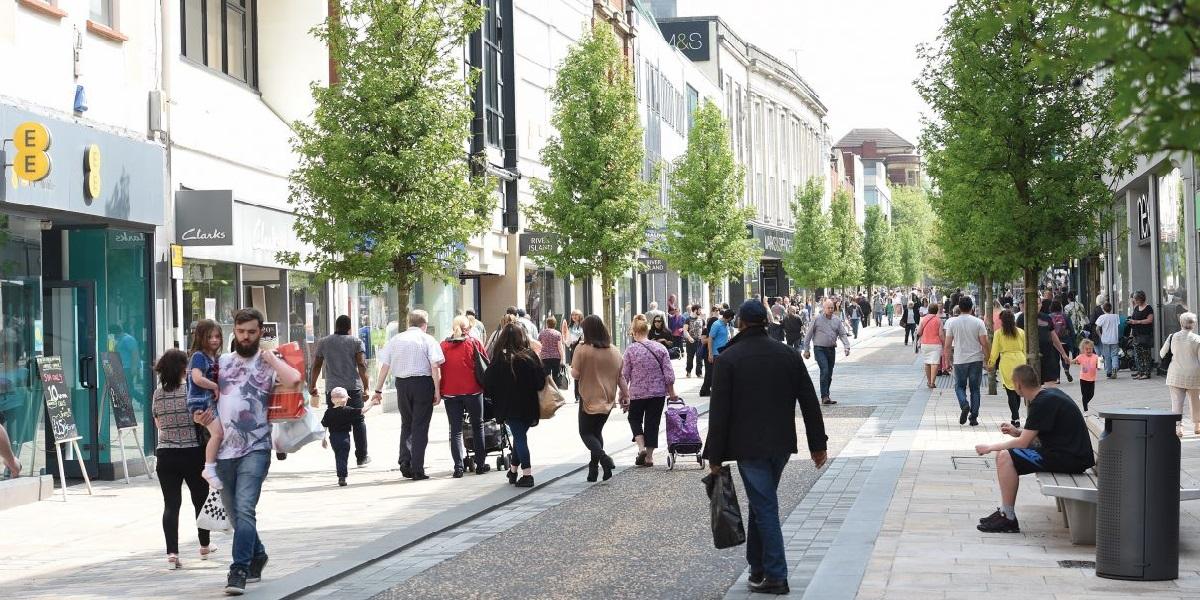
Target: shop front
(771, 280)
(78, 217)
(230, 261)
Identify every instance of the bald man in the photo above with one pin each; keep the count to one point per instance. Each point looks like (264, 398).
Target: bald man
(824, 331)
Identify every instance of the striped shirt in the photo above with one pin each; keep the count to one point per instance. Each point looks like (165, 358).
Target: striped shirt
(412, 353)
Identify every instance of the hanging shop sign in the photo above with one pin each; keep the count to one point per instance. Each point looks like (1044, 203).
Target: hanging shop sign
(690, 37)
(1143, 208)
(535, 243)
(653, 265)
(204, 217)
(775, 243)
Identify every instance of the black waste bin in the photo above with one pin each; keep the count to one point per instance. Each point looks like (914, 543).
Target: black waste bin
(1137, 520)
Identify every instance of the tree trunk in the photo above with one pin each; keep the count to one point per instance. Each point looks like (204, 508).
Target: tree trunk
(990, 322)
(402, 269)
(610, 310)
(712, 295)
(1032, 357)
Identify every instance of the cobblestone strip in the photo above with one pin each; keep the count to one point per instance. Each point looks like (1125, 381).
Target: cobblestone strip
(813, 528)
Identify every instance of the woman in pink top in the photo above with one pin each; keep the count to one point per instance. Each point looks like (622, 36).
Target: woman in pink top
(552, 347)
(931, 334)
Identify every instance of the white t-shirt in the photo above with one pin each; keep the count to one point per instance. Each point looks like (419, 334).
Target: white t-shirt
(966, 330)
(1110, 328)
(412, 353)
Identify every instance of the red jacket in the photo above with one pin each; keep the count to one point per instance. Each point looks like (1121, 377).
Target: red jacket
(458, 372)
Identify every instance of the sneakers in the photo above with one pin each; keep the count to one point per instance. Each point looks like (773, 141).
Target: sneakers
(974, 421)
(481, 469)
(210, 475)
(458, 473)
(365, 461)
(235, 583)
(766, 586)
(756, 578)
(999, 524)
(962, 417)
(828, 400)
(341, 482)
(173, 562)
(256, 569)
(205, 551)
(526, 481)
(998, 513)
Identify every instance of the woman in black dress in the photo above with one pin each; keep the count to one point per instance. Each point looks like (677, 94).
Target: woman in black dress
(1050, 347)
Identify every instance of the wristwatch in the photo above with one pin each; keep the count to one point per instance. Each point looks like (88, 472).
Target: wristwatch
(378, 391)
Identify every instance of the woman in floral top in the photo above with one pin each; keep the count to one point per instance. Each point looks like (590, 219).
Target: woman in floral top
(647, 371)
(552, 347)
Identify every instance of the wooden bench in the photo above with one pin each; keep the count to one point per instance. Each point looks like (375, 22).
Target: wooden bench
(1077, 495)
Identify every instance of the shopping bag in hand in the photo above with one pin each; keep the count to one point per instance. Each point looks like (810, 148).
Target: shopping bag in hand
(212, 514)
(291, 436)
(727, 526)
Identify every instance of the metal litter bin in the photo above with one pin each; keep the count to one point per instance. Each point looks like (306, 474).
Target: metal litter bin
(1137, 520)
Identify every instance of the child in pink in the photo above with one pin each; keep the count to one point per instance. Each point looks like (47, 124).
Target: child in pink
(1088, 366)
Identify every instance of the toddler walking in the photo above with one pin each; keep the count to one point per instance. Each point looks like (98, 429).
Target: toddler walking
(1088, 363)
(202, 390)
(339, 420)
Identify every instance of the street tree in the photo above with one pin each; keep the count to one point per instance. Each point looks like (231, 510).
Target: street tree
(846, 241)
(1017, 145)
(1150, 50)
(809, 262)
(880, 257)
(383, 192)
(912, 220)
(596, 202)
(706, 226)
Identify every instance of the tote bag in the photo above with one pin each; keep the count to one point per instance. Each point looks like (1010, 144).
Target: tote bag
(550, 399)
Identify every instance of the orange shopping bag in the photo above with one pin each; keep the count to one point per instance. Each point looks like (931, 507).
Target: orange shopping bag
(287, 401)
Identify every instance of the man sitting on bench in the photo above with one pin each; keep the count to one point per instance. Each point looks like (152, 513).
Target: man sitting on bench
(1065, 446)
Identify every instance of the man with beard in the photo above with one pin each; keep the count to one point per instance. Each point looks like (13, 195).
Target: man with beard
(246, 377)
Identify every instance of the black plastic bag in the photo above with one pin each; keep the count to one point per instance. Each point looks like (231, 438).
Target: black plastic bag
(727, 526)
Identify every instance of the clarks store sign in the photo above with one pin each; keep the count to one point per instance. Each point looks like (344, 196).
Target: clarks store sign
(204, 217)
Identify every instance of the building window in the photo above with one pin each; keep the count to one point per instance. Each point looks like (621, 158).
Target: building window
(493, 83)
(221, 35)
(102, 12)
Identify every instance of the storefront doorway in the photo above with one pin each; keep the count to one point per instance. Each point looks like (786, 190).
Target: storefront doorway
(69, 322)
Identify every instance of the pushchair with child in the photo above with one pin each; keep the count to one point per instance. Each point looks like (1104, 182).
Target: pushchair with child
(495, 439)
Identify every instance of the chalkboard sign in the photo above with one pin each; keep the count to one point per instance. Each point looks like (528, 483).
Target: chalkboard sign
(58, 399)
(116, 388)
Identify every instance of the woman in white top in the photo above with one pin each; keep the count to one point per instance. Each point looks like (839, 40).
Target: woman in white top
(1183, 375)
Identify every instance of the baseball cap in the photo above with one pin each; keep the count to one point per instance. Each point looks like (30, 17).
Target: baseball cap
(752, 311)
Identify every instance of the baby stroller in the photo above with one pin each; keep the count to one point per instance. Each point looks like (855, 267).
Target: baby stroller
(683, 432)
(495, 439)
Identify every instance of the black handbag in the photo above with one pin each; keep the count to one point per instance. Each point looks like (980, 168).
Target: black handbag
(481, 364)
(727, 528)
(1166, 360)
(560, 378)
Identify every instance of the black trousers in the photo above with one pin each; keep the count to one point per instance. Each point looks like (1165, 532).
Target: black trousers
(1088, 389)
(414, 395)
(706, 387)
(176, 466)
(550, 366)
(645, 415)
(340, 442)
(1014, 404)
(470, 405)
(360, 425)
(910, 329)
(695, 353)
(591, 431)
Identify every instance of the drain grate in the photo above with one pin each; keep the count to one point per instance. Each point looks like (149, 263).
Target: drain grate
(1077, 564)
(971, 463)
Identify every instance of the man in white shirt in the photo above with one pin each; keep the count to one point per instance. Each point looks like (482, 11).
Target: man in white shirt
(414, 358)
(967, 335)
(1108, 325)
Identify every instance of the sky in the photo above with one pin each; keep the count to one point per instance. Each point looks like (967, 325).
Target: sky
(859, 55)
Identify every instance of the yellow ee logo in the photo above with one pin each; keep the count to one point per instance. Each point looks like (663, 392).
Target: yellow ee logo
(91, 172)
(32, 141)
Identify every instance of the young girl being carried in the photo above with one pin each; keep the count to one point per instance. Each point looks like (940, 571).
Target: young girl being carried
(202, 389)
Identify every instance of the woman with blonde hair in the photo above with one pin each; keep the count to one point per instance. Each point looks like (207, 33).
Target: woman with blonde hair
(647, 372)
(930, 338)
(1183, 374)
(463, 394)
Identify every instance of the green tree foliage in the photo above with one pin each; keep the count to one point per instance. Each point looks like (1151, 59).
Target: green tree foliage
(809, 262)
(1150, 50)
(706, 227)
(846, 241)
(596, 201)
(913, 221)
(1018, 146)
(881, 256)
(382, 192)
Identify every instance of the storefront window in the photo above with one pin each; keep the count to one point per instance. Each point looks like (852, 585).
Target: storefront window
(1172, 251)
(128, 325)
(21, 339)
(440, 300)
(624, 312)
(262, 288)
(544, 296)
(656, 290)
(1121, 283)
(209, 292)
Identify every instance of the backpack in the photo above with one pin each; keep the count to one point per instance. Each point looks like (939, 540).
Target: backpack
(1059, 321)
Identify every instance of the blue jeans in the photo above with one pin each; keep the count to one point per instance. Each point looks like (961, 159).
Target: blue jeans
(764, 534)
(520, 439)
(825, 358)
(1112, 364)
(854, 326)
(964, 375)
(242, 479)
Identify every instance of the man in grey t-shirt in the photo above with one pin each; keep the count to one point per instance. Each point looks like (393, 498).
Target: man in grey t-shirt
(345, 363)
(967, 335)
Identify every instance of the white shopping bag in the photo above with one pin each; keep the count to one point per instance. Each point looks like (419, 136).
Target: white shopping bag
(212, 515)
(291, 436)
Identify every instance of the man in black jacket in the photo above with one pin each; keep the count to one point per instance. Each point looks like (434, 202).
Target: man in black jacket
(752, 420)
